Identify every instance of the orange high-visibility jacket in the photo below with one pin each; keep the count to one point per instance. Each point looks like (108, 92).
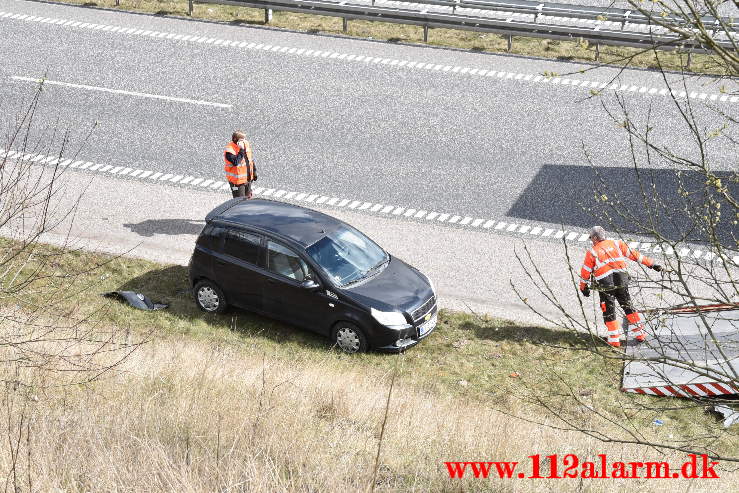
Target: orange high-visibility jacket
(607, 257)
(244, 171)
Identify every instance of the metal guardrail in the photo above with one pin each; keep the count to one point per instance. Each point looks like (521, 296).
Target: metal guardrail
(602, 14)
(597, 25)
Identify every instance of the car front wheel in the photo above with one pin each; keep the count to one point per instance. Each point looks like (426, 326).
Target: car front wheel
(350, 338)
(209, 297)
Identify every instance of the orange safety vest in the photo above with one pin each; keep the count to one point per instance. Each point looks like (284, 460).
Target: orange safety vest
(242, 172)
(607, 257)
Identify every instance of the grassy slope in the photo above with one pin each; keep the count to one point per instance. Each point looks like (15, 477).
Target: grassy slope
(480, 352)
(222, 402)
(399, 33)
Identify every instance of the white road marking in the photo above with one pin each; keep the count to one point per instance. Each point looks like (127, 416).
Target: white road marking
(460, 221)
(119, 91)
(405, 64)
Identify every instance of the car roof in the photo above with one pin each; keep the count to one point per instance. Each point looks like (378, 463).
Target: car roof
(302, 225)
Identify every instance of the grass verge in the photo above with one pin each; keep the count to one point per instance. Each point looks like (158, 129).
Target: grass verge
(226, 401)
(576, 50)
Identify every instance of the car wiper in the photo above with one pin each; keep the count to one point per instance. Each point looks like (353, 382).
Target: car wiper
(376, 267)
(367, 273)
(354, 281)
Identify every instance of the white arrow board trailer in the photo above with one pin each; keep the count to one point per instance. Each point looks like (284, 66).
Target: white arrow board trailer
(687, 354)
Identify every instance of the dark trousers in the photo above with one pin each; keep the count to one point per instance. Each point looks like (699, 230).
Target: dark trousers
(243, 190)
(612, 288)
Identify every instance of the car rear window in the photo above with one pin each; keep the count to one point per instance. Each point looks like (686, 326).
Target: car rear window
(242, 245)
(208, 238)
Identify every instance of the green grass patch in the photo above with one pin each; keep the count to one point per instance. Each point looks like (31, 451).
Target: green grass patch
(575, 50)
(489, 360)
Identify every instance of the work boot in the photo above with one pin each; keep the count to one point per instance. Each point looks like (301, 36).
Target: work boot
(614, 333)
(637, 323)
(638, 333)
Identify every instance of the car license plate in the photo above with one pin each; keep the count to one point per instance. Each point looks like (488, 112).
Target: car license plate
(427, 326)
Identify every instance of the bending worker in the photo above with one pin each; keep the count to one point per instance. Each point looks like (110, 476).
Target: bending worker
(239, 165)
(606, 262)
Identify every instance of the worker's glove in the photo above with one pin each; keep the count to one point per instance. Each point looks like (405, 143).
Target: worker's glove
(586, 291)
(657, 267)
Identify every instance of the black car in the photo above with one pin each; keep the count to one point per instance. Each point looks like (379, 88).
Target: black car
(310, 270)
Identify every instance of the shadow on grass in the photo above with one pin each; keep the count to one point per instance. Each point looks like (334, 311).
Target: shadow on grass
(164, 12)
(533, 335)
(239, 21)
(171, 285)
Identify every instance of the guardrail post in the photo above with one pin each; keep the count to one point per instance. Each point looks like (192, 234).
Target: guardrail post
(626, 18)
(267, 16)
(687, 65)
(510, 41)
(189, 7)
(425, 34)
(597, 51)
(346, 24)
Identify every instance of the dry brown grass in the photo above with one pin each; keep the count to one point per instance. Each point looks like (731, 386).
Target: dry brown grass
(574, 50)
(184, 415)
(239, 402)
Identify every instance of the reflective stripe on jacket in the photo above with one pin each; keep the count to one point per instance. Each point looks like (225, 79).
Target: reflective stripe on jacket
(607, 257)
(242, 172)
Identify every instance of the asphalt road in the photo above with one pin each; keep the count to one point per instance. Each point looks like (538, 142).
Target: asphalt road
(473, 272)
(479, 146)
(494, 148)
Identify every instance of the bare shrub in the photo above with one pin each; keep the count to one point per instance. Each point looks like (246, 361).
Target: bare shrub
(680, 202)
(41, 346)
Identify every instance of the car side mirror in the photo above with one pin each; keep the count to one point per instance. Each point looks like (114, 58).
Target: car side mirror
(310, 284)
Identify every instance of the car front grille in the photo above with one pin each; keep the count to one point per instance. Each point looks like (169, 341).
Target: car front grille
(422, 310)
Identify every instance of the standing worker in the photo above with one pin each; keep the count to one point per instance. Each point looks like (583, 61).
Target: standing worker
(239, 165)
(606, 262)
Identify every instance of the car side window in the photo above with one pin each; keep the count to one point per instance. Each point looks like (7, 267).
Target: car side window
(284, 262)
(242, 245)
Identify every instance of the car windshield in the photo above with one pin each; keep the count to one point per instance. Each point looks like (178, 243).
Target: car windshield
(347, 255)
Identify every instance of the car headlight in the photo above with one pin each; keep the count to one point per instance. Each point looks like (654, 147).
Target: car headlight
(431, 283)
(389, 319)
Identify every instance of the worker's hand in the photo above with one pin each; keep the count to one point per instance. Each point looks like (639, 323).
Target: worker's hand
(657, 267)
(586, 291)
(256, 177)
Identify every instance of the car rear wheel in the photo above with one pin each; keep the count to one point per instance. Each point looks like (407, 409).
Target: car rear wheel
(350, 338)
(209, 297)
